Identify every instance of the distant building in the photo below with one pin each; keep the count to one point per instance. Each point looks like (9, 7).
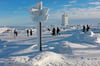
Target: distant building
(64, 19)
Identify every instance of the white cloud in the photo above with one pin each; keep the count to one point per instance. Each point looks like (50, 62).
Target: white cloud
(78, 13)
(84, 13)
(95, 3)
(98, 7)
(56, 15)
(67, 5)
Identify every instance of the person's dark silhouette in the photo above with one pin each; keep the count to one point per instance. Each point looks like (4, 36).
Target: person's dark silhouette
(31, 32)
(88, 28)
(27, 32)
(15, 33)
(84, 28)
(53, 31)
(58, 31)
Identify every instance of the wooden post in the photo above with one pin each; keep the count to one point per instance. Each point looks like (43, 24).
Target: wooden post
(40, 36)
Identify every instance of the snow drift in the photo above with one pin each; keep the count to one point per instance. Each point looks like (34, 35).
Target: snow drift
(52, 59)
(42, 59)
(86, 37)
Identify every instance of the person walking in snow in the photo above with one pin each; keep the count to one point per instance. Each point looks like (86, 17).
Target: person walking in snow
(58, 31)
(27, 32)
(84, 29)
(88, 28)
(30, 32)
(15, 33)
(53, 32)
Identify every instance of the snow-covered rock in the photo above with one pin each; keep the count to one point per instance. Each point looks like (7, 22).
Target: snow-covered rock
(86, 36)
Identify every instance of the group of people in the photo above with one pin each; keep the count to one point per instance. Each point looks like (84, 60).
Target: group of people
(29, 32)
(86, 28)
(55, 31)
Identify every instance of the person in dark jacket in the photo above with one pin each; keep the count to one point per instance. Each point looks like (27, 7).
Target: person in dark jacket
(53, 32)
(58, 31)
(88, 28)
(15, 33)
(31, 32)
(84, 29)
(27, 32)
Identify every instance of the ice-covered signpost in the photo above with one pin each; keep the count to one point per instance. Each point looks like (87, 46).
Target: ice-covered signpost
(39, 15)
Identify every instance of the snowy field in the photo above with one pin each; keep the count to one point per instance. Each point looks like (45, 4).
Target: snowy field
(71, 48)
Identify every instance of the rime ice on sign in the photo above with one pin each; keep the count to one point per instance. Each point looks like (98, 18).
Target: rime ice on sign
(39, 14)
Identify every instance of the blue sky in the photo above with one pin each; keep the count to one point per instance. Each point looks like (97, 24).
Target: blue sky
(16, 12)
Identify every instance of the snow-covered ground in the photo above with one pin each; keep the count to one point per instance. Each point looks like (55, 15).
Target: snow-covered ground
(71, 48)
(2, 30)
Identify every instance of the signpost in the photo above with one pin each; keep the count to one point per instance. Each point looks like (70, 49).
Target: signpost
(39, 15)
